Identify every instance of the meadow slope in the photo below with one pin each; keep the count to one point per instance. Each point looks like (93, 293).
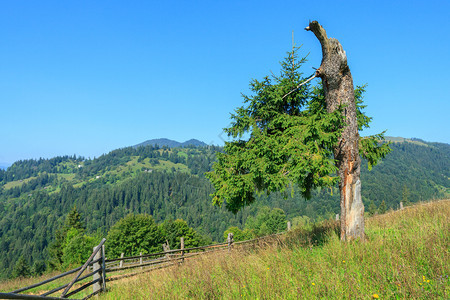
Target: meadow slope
(406, 256)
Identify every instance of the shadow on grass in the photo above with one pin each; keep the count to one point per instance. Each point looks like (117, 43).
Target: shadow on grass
(312, 235)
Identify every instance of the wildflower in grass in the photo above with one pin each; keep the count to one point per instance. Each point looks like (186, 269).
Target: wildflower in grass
(313, 283)
(375, 296)
(428, 280)
(343, 261)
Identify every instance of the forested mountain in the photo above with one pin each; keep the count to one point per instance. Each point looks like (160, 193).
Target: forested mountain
(169, 183)
(171, 143)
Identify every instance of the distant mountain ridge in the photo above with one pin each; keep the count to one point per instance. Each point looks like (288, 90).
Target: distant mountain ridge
(171, 143)
(416, 141)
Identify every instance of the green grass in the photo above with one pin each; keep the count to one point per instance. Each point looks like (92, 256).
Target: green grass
(182, 154)
(406, 256)
(130, 168)
(404, 140)
(68, 177)
(16, 183)
(133, 166)
(168, 165)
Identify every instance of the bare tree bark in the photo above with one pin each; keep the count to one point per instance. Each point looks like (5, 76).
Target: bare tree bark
(339, 92)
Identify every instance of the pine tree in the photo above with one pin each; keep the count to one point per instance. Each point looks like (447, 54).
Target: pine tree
(382, 208)
(294, 138)
(38, 268)
(73, 220)
(405, 196)
(21, 268)
(372, 208)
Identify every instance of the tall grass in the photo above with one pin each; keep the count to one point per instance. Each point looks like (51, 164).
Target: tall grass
(406, 256)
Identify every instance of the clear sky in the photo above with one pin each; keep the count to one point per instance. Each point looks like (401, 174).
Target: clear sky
(88, 77)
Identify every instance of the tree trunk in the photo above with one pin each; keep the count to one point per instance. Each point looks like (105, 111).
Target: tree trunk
(339, 93)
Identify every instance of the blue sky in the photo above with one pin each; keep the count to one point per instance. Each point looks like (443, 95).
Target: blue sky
(88, 77)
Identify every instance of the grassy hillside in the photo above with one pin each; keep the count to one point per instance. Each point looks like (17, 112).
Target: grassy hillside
(405, 140)
(406, 257)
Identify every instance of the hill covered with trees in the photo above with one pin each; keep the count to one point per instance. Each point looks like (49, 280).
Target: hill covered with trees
(171, 143)
(36, 196)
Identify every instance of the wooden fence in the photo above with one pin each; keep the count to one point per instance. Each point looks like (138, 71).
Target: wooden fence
(97, 267)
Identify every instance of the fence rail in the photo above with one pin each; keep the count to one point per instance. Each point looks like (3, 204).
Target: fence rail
(98, 267)
(94, 260)
(20, 296)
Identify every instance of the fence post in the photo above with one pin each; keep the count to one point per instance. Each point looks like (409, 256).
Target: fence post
(401, 205)
(103, 269)
(121, 261)
(140, 259)
(166, 247)
(230, 241)
(96, 287)
(182, 248)
(337, 217)
(289, 226)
